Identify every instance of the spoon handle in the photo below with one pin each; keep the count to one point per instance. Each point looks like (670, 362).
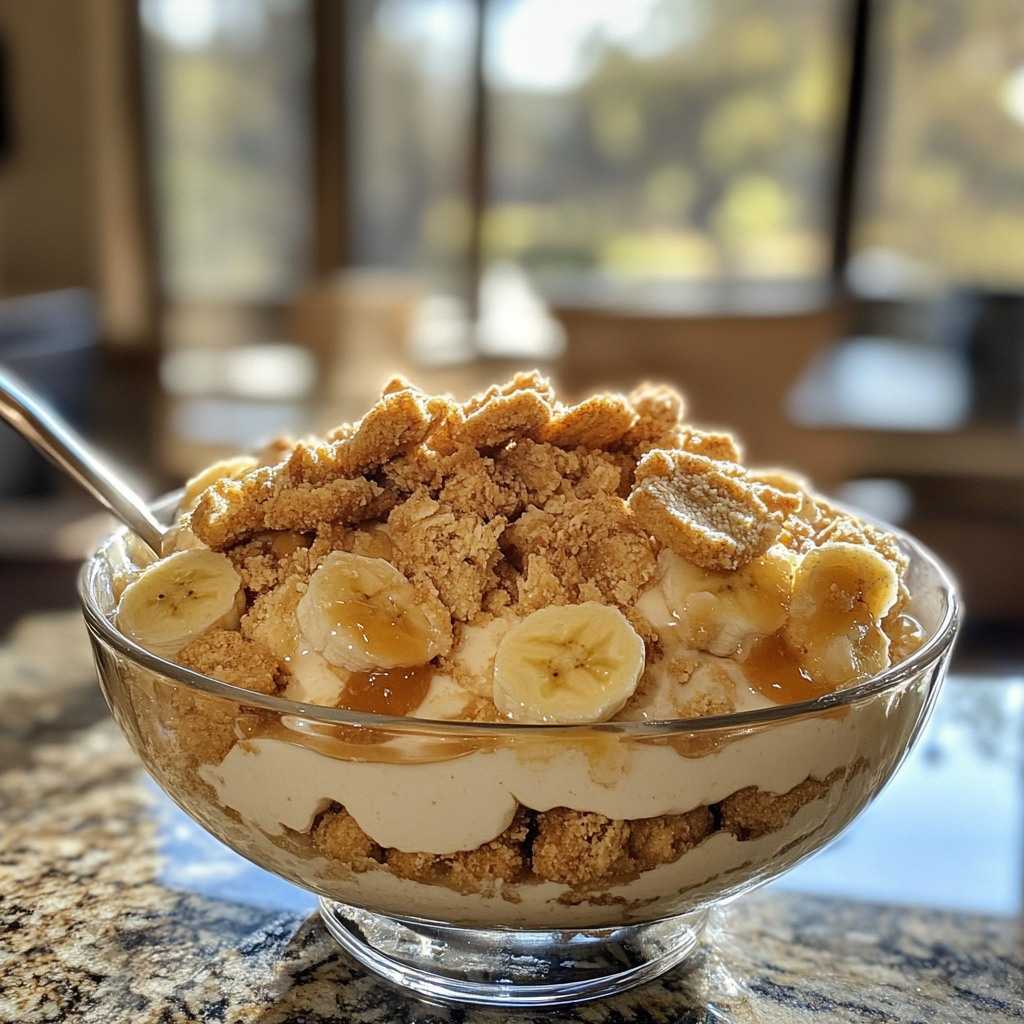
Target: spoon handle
(40, 425)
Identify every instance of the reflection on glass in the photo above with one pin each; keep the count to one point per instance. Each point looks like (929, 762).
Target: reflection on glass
(953, 814)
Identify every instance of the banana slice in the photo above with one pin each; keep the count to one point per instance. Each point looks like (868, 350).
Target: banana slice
(361, 614)
(840, 596)
(180, 597)
(569, 664)
(272, 623)
(721, 612)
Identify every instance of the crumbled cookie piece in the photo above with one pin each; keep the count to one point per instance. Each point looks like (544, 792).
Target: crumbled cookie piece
(576, 847)
(232, 510)
(590, 546)
(534, 473)
(529, 380)
(709, 517)
(597, 422)
(500, 414)
(504, 418)
(342, 432)
(470, 484)
(421, 466)
(270, 620)
(228, 656)
(337, 835)
(275, 450)
(481, 870)
(450, 553)
(318, 482)
(780, 479)
(654, 841)
(396, 423)
(461, 478)
(752, 812)
(706, 687)
(538, 586)
(202, 728)
(712, 444)
(659, 410)
(370, 540)
(270, 558)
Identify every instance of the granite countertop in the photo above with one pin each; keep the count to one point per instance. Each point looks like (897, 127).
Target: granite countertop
(115, 907)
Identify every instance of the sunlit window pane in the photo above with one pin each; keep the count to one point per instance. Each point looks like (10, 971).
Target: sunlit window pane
(943, 174)
(409, 100)
(228, 84)
(664, 140)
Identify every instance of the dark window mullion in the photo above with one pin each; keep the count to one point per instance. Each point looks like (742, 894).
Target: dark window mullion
(859, 21)
(477, 157)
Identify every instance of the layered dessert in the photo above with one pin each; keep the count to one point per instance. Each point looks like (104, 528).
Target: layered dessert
(508, 562)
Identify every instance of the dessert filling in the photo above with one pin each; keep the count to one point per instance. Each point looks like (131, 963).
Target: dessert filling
(516, 559)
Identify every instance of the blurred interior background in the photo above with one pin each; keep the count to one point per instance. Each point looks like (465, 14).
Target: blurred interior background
(225, 219)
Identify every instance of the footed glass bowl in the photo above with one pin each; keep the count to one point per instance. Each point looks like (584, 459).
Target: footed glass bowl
(509, 864)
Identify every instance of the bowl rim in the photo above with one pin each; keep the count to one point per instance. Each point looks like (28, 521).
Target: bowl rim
(930, 652)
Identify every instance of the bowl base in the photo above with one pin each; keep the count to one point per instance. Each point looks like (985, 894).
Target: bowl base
(510, 968)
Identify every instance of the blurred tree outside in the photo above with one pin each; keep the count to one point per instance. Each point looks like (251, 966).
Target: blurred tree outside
(660, 140)
(228, 91)
(701, 145)
(943, 192)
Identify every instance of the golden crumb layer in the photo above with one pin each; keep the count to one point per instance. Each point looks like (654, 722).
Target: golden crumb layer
(575, 848)
(228, 656)
(510, 502)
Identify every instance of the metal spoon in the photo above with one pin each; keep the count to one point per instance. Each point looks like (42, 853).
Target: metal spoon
(39, 424)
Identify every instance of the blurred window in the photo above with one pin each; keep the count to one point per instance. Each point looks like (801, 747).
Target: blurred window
(409, 98)
(228, 85)
(664, 141)
(629, 146)
(942, 183)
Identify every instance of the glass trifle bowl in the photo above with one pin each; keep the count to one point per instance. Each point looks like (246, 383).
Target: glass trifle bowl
(517, 864)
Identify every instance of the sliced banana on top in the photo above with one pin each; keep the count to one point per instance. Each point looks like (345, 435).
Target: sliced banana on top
(272, 623)
(721, 612)
(840, 596)
(568, 664)
(362, 614)
(180, 597)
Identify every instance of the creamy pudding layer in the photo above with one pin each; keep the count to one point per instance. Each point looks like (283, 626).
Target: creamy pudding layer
(446, 806)
(721, 860)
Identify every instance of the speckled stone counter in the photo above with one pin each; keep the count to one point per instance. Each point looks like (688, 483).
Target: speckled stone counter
(113, 907)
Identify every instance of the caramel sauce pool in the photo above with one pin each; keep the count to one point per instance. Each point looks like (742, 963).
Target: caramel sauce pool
(393, 691)
(775, 673)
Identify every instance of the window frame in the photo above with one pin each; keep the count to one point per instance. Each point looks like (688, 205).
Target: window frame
(330, 185)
